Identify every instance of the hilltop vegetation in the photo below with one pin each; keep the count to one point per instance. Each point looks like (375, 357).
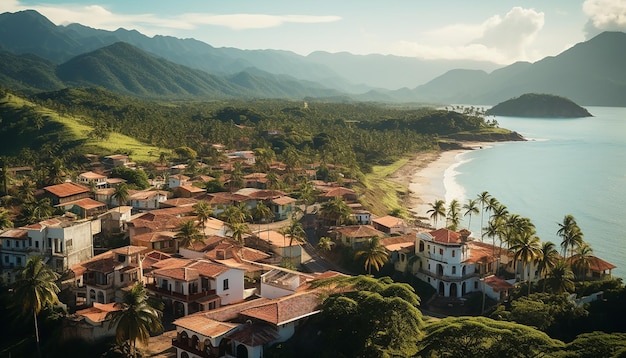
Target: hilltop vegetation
(539, 105)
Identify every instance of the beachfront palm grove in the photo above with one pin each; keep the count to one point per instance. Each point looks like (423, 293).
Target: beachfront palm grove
(556, 268)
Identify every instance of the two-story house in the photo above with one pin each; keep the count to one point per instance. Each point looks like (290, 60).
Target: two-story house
(90, 178)
(192, 285)
(66, 192)
(62, 242)
(147, 199)
(452, 263)
(103, 278)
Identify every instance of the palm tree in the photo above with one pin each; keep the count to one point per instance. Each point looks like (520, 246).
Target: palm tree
(137, 317)
(582, 259)
(561, 278)
(237, 232)
(492, 230)
(570, 233)
(526, 248)
(307, 193)
(121, 195)
(437, 210)
(375, 254)
(296, 233)
(483, 198)
(325, 244)
(336, 208)
(26, 191)
(471, 208)
(454, 217)
(188, 234)
(546, 261)
(273, 181)
(5, 219)
(34, 289)
(36, 211)
(236, 214)
(203, 211)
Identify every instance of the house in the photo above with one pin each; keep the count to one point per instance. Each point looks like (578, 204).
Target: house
(174, 181)
(62, 242)
(164, 241)
(255, 180)
(103, 278)
(116, 160)
(147, 199)
(188, 191)
(177, 202)
(191, 285)
(114, 220)
(390, 225)
(496, 288)
(282, 207)
(91, 178)
(362, 216)
(84, 208)
(598, 268)
(280, 282)
(245, 329)
(222, 200)
(90, 324)
(453, 263)
(328, 193)
(401, 249)
(66, 192)
(280, 244)
(355, 235)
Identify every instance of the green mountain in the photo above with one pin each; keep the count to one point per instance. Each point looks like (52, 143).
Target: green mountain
(539, 105)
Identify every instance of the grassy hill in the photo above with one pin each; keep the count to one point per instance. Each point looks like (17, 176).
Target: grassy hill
(24, 124)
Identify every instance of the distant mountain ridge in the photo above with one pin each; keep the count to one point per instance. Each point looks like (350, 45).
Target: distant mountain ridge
(590, 73)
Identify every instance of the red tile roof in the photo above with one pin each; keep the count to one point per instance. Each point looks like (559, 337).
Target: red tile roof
(389, 221)
(86, 203)
(91, 175)
(283, 200)
(205, 326)
(357, 231)
(394, 243)
(254, 335)
(497, 284)
(14, 234)
(445, 236)
(99, 311)
(596, 263)
(285, 309)
(66, 189)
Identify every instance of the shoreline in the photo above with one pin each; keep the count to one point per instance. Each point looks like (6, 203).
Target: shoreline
(426, 176)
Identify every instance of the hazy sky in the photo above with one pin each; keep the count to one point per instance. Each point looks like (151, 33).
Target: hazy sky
(495, 30)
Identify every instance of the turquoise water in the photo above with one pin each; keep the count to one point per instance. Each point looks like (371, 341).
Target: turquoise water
(568, 166)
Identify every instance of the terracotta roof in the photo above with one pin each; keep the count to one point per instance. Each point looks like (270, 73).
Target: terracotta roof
(283, 200)
(266, 194)
(178, 202)
(394, 243)
(482, 252)
(152, 257)
(225, 198)
(180, 177)
(105, 262)
(115, 181)
(155, 236)
(389, 221)
(596, 263)
(254, 335)
(191, 188)
(129, 250)
(14, 234)
(205, 326)
(357, 231)
(445, 236)
(147, 194)
(188, 270)
(341, 191)
(285, 309)
(86, 203)
(66, 189)
(105, 191)
(156, 222)
(91, 175)
(99, 311)
(497, 284)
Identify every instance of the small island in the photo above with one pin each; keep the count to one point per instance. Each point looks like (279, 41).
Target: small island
(539, 105)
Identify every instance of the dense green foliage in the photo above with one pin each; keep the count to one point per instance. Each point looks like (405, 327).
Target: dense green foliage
(539, 105)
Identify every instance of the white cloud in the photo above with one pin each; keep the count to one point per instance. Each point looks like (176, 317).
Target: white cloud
(498, 39)
(604, 15)
(254, 21)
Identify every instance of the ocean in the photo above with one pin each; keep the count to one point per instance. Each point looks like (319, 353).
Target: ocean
(567, 166)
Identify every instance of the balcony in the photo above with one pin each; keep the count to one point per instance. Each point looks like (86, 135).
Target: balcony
(449, 278)
(177, 295)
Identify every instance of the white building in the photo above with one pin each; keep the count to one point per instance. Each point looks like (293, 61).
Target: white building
(452, 263)
(62, 242)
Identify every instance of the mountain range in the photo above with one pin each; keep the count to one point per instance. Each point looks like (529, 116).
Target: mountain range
(37, 55)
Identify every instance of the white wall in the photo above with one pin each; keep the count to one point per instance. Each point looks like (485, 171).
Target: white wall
(234, 292)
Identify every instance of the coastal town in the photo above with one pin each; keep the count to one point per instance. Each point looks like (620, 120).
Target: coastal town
(238, 270)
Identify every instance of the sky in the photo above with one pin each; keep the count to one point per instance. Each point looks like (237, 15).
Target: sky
(493, 30)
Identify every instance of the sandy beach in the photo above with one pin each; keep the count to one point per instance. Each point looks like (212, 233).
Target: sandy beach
(424, 176)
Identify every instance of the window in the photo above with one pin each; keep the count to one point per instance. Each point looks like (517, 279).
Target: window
(37, 244)
(30, 241)
(453, 253)
(440, 251)
(453, 269)
(475, 284)
(18, 261)
(6, 258)
(225, 284)
(68, 244)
